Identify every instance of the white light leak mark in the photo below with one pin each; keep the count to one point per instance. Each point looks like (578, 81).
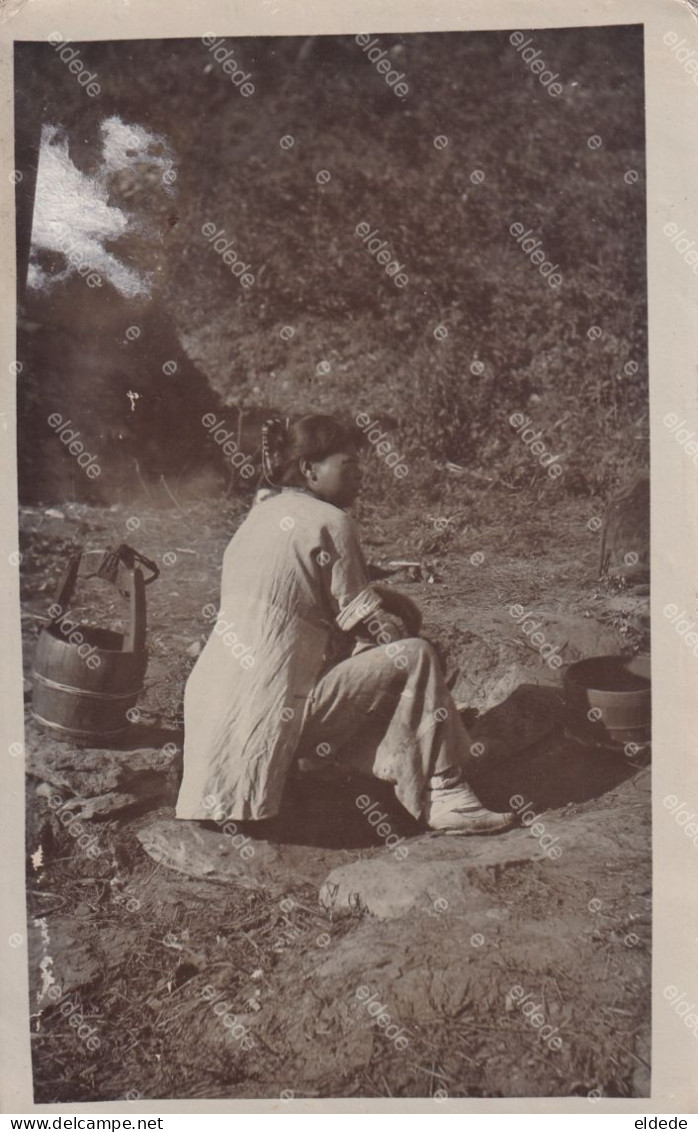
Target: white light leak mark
(124, 146)
(133, 397)
(46, 964)
(71, 209)
(37, 858)
(47, 979)
(45, 937)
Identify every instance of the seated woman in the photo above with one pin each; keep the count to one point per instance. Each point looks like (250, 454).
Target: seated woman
(308, 656)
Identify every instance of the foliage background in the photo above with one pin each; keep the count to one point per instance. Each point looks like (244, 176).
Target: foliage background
(466, 272)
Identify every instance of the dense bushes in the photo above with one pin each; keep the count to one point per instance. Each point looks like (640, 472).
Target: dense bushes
(513, 343)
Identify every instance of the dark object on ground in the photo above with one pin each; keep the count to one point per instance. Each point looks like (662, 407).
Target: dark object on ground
(609, 700)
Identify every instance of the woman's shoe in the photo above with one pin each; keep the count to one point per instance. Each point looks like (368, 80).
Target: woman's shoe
(456, 809)
(486, 821)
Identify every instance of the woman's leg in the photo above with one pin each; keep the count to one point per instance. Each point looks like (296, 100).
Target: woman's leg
(387, 712)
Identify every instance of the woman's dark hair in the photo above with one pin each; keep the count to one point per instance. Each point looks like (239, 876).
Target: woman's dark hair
(310, 438)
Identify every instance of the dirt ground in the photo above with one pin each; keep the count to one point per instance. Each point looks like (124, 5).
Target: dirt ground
(442, 939)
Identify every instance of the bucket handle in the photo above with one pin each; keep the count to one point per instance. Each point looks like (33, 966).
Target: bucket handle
(134, 638)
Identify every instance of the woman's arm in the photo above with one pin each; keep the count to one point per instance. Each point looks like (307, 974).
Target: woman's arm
(358, 598)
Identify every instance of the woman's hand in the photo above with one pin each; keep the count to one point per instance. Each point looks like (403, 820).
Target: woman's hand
(399, 605)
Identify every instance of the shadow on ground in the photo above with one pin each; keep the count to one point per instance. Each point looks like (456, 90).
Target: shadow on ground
(550, 770)
(531, 756)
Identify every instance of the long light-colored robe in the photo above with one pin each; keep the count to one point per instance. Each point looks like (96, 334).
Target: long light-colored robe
(294, 582)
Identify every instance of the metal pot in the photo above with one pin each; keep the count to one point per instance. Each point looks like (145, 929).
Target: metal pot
(609, 700)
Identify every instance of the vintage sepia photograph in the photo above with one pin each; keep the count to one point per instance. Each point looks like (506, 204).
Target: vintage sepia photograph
(334, 552)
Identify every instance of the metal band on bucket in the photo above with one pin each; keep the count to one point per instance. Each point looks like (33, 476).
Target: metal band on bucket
(77, 732)
(48, 683)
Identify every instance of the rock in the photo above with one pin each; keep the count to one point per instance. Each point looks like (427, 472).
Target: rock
(387, 887)
(123, 777)
(208, 854)
(440, 865)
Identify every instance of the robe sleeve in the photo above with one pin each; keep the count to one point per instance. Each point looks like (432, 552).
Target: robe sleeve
(352, 593)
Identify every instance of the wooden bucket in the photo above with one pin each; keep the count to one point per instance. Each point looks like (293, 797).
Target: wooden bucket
(85, 679)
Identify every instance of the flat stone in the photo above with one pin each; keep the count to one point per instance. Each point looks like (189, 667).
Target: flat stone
(208, 854)
(387, 887)
(440, 864)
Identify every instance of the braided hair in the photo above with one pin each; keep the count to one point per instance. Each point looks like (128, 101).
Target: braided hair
(313, 437)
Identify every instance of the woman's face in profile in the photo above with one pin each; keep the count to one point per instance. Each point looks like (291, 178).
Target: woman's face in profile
(336, 479)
